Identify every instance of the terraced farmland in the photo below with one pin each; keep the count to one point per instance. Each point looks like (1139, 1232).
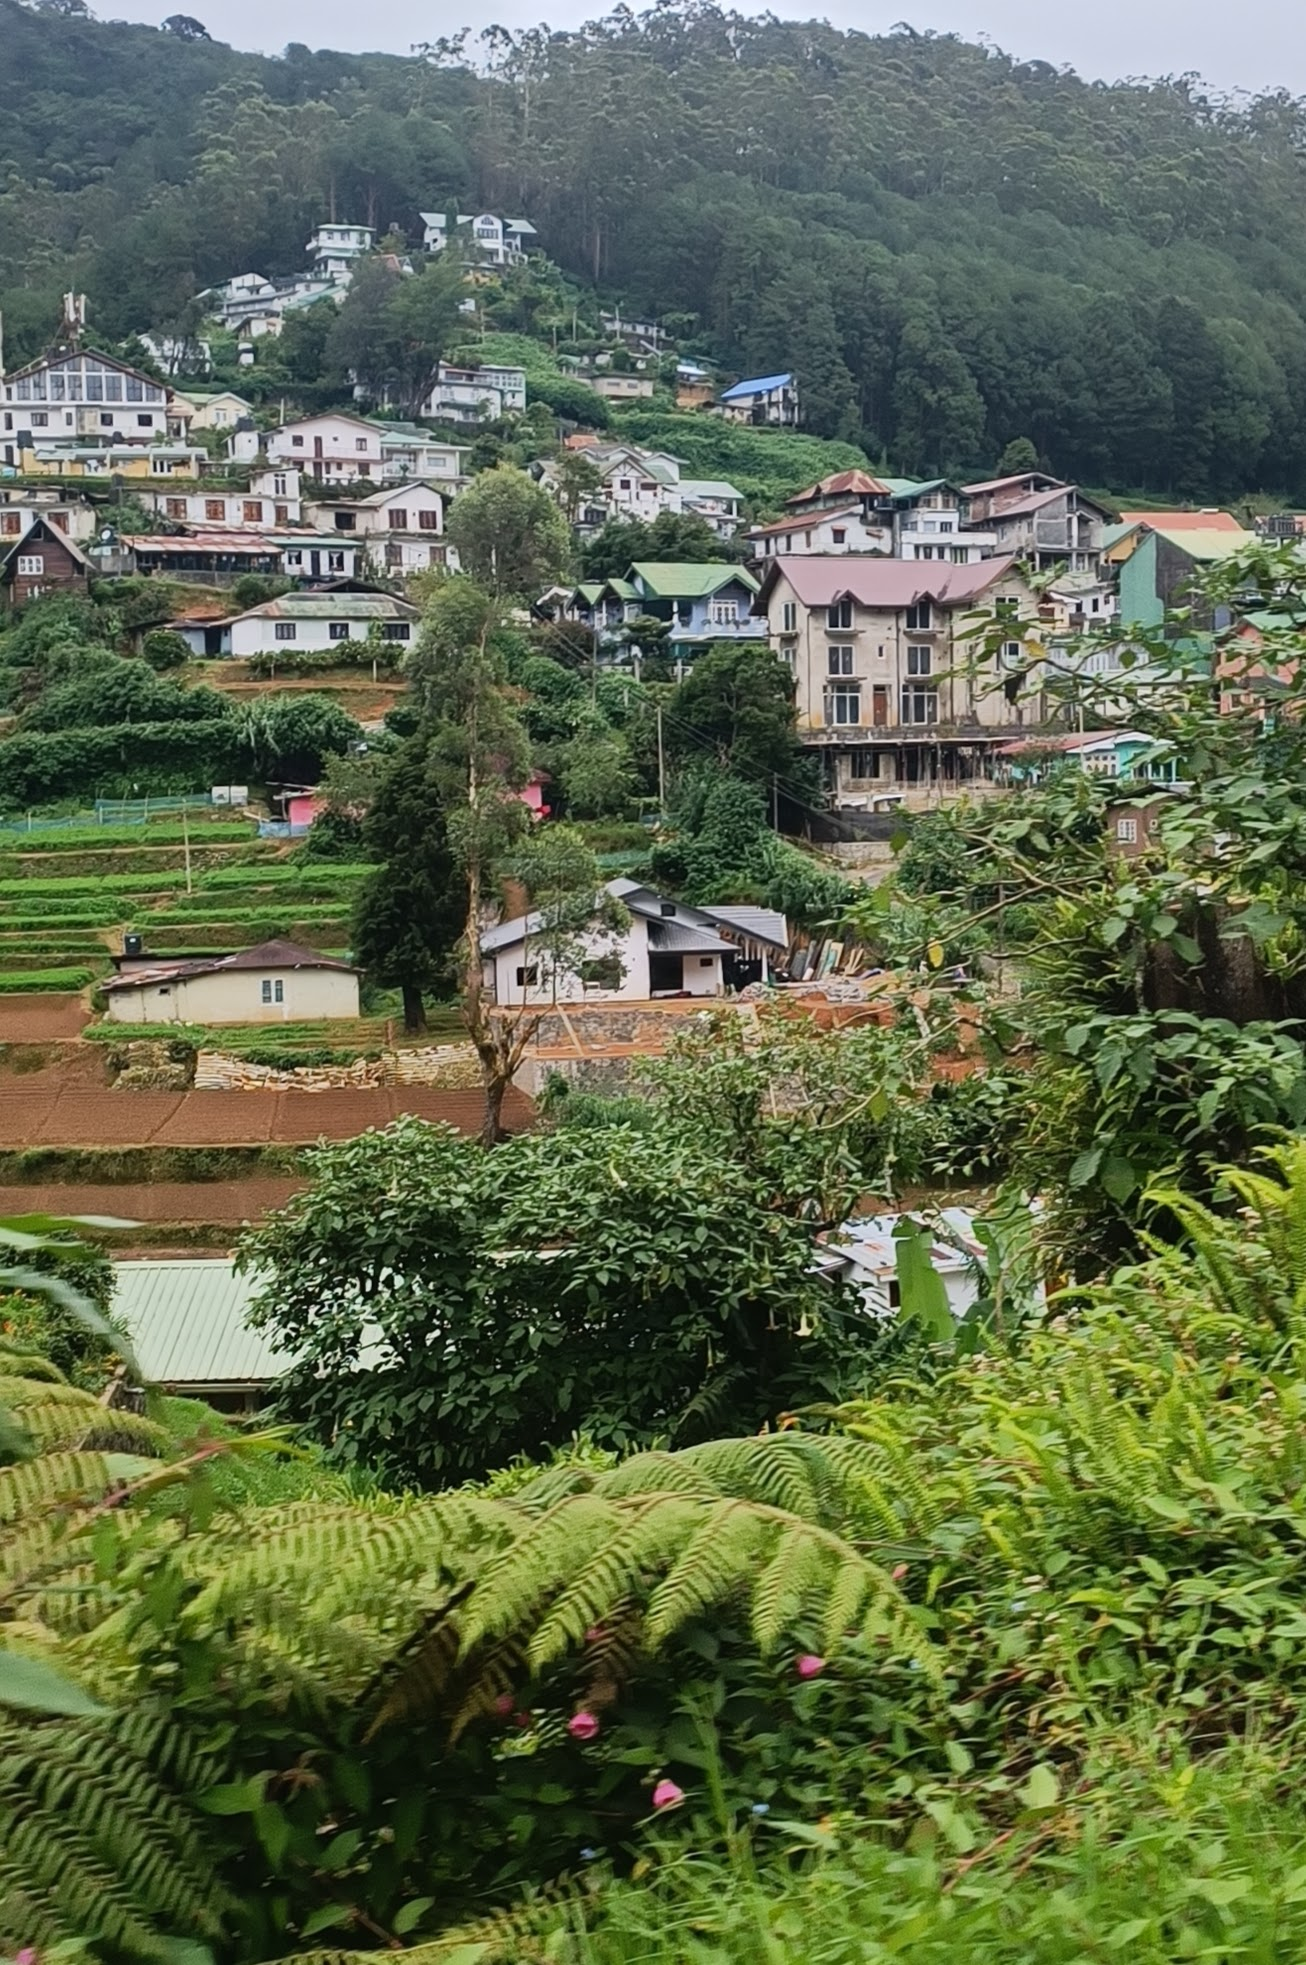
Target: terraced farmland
(66, 900)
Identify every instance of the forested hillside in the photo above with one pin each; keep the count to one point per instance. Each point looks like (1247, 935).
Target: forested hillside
(952, 248)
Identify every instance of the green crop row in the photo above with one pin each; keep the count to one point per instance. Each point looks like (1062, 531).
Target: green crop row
(201, 832)
(15, 983)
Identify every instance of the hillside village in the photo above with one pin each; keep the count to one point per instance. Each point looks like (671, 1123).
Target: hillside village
(652, 1008)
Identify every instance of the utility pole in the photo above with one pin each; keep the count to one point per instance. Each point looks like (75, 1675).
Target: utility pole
(662, 771)
(185, 843)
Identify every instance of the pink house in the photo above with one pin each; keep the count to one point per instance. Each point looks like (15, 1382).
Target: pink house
(532, 795)
(302, 807)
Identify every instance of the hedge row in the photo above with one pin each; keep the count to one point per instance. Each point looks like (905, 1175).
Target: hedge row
(17, 983)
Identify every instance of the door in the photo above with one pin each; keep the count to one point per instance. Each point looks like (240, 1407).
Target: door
(880, 707)
(315, 563)
(317, 446)
(666, 974)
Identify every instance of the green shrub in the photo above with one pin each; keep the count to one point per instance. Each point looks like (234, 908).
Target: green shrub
(14, 983)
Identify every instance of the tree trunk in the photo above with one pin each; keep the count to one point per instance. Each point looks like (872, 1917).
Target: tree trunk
(496, 1090)
(414, 1009)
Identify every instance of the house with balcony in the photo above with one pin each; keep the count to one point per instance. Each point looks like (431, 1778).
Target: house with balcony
(910, 518)
(1039, 519)
(840, 529)
(79, 399)
(487, 239)
(702, 603)
(906, 675)
(335, 250)
(398, 529)
(475, 392)
(762, 399)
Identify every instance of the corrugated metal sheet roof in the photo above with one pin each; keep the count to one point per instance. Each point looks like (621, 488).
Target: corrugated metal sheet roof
(756, 385)
(760, 924)
(187, 1323)
(688, 579)
(679, 938)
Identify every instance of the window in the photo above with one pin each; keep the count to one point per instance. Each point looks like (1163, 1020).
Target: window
(789, 618)
(428, 521)
(918, 660)
(175, 508)
(272, 992)
(135, 393)
(395, 630)
(840, 615)
(145, 420)
(106, 419)
(1007, 609)
(215, 508)
(360, 443)
(960, 556)
(1127, 831)
(346, 521)
(919, 704)
(919, 617)
(252, 511)
(283, 630)
(297, 443)
(724, 613)
(40, 419)
(278, 486)
(11, 523)
(337, 631)
(161, 467)
(844, 706)
(528, 977)
(839, 661)
(335, 562)
(31, 563)
(294, 558)
(839, 535)
(946, 525)
(398, 519)
(282, 515)
(603, 972)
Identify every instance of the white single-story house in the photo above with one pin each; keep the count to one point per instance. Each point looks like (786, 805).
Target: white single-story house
(864, 1252)
(294, 622)
(276, 982)
(664, 948)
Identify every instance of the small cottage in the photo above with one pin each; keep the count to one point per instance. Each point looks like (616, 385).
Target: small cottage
(44, 561)
(275, 982)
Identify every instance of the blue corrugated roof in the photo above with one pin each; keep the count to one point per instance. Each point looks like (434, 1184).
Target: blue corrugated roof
(759, 386)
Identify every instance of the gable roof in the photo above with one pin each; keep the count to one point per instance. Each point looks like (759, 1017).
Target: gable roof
(1184, 521)
(1035, 502)
(758, 385)
(689, 579)
(45, 528)
(819, 579)
(53, 356)
(758, 924)
(708, 488)
(1015, 477)
(275, 954)
(187, 1324)
(803, 521)
(322, 415)
(329, 607)
(1211, 544)
(850, 484)
(389, 491)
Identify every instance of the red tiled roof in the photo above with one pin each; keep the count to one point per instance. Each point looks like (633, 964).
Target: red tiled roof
(276, 954)
(1184, 521)
(819, 579)
(856, 484)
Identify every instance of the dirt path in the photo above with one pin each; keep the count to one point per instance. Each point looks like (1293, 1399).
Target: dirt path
(46, 1116)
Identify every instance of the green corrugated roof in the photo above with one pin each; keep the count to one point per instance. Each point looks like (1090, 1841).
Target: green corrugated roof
(623, 589)
(911, 487)
(187, 1324)
(674, 580)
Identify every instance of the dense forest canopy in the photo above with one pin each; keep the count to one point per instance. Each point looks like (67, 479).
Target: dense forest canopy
(952, 247)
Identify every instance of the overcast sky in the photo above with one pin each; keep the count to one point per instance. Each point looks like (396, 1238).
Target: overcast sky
(1263, 47)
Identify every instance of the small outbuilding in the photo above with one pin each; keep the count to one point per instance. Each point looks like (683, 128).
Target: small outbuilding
(276, 982)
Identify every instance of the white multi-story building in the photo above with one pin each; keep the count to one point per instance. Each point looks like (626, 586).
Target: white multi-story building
(79, 398)
(475, 393)
(400, 528)
(335, 249)
(271, 500)
(641, 484)
(490, 240)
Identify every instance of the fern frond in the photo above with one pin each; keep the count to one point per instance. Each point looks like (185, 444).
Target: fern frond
(796, 1570)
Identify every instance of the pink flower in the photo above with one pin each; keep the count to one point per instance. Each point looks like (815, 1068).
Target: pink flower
(667, 1795)
(27, 1956)
(504, 1704)
(582, 1726)
(809, 1665)
(898, 1571)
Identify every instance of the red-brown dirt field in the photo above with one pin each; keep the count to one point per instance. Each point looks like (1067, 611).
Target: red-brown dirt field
(40, 1018)
(48, 1116)
(182, 1201)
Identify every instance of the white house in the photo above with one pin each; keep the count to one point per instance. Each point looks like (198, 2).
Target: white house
(401, 527)
(20, 509)
(295, 622)
(409, 451)
(479, 392)
(716, 501)
(271, 499)
(635, 483)
(864, 1251)
(663, 948)
(79, 398)
(843, 530)
(767, 399)
(221, 410)
(335, 249)
(277, 982)
(336, 447)
(491, 240)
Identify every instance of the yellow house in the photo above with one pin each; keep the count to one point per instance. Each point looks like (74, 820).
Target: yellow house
(220, 411)
(276, 982)
(137, 462)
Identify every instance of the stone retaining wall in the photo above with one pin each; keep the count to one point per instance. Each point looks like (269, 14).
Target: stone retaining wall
(447, 1067)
